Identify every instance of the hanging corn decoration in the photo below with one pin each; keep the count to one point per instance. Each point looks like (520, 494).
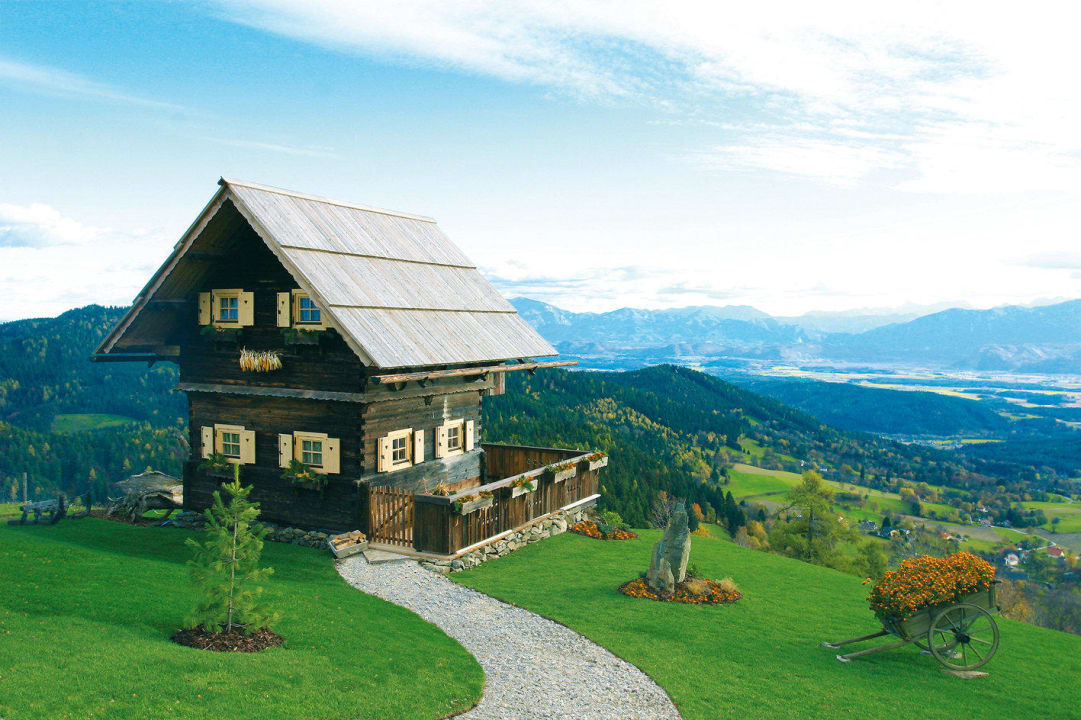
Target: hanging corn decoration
(260, 360)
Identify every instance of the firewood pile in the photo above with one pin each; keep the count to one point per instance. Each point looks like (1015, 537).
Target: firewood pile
(347, 544)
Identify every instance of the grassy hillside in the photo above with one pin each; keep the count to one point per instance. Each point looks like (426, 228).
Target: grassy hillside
(760, 658)
(88, 607)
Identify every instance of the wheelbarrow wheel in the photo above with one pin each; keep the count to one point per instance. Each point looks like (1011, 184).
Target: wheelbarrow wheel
(963, 637)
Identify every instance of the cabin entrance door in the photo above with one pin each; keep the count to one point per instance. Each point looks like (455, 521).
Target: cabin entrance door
(391, 515)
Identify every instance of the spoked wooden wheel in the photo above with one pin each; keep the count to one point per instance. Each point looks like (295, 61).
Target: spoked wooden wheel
(963, 637)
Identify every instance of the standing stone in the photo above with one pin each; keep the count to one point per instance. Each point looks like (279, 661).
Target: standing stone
(668, 565)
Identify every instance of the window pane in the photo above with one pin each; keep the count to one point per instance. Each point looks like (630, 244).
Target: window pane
(312, 452)
(398, 450)
(309, 313)
(454, 437)
(230, 444)
(228, 308)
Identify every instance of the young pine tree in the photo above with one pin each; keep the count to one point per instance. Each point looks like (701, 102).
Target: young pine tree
(225, 566)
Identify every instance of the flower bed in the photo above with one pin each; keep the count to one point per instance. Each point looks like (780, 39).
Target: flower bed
(927, 582)
(591, 529)
(692, 591)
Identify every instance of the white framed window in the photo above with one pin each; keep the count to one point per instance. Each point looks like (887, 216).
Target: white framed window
(234, 442)
(308, 313)
(318, 451)
(453, 437)
(311, 452)
(227, 308)
(297, 309)
(230, 443)
(400, 449)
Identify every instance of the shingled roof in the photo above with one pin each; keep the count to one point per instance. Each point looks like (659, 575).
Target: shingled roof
(393, 285)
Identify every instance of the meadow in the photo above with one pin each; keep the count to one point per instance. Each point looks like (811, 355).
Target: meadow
(760, 657)
(89, 605)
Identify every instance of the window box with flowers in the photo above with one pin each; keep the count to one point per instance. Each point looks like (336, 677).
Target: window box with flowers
(596, 461)
(561, 471)
(304, 476)
(523, 485)
(471, 503)
(217, 466)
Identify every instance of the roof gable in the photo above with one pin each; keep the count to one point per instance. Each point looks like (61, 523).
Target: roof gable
(395, 287)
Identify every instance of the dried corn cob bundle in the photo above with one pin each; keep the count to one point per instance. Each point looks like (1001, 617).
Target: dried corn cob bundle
(260, 360)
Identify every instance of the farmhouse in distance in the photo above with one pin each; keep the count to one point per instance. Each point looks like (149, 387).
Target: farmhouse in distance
(339, 354)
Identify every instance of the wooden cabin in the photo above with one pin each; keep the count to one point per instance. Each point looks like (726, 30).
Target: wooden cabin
(327, 340)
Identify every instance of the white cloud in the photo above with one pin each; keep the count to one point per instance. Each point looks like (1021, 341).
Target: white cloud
(53, 81)
(50, 263)
(962, 96)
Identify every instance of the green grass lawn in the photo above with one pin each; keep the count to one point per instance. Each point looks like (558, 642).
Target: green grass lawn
(76, 422)
(88, 606)
(760, 657)
(1069, 515)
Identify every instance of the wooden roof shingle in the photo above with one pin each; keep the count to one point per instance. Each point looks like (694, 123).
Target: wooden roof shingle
(393, 285)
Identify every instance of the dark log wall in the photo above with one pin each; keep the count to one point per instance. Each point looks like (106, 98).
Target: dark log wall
(336, 507)
(249, 265)
(384, 417)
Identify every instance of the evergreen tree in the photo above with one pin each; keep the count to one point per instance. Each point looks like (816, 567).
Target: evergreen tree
(225, 566)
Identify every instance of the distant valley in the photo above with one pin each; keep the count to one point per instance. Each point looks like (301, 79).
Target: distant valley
(1014, 339)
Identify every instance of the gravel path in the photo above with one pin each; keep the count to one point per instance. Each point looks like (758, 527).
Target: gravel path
(533, 667)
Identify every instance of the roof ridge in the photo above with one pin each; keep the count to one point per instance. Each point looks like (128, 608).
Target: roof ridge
(224, 181)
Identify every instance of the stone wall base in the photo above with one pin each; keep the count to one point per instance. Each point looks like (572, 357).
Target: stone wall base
(558, 523)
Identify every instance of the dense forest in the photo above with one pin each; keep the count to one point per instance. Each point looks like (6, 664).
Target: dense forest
(854, 407)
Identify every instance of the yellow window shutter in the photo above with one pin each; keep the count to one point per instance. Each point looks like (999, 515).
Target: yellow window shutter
(204, 308)
(208, 440)
(468, 434)
(441, 442)
(285, 450)
(246, 309)
(332, 456)
(247, 447)
(418, 446)
(284, 319)
(384, 458)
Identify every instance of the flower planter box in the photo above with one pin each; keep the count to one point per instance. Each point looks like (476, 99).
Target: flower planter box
(307, 486)
(524, 489)
(478, 504)
(596, 464)
(561, 475)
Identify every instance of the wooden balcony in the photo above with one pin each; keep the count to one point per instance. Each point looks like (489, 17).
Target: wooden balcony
(438, 528)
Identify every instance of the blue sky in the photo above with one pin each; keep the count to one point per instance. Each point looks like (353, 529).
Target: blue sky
(594, 155)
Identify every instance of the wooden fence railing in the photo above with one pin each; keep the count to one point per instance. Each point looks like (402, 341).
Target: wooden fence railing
(439, 528)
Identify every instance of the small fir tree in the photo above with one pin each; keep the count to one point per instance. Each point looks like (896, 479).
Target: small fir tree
(225, 566)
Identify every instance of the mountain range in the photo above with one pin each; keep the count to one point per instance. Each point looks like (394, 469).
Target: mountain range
(1044, 339)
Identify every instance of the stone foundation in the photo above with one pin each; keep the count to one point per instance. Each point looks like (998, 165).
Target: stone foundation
(274, 533)
(558, 523)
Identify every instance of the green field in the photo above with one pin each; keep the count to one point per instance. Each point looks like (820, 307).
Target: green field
(760, 658)
(747, 481)
(1069, 515)
(88, 606)
(77, 422)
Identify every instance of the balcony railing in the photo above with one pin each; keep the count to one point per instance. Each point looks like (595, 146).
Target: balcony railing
(439, 528)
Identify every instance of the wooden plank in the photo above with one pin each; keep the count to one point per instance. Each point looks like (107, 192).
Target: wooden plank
(458, 372)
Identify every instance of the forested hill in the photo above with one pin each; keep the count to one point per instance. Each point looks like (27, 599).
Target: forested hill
(675, 429)
(876, 410)
(666, 428)
(45, 372)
